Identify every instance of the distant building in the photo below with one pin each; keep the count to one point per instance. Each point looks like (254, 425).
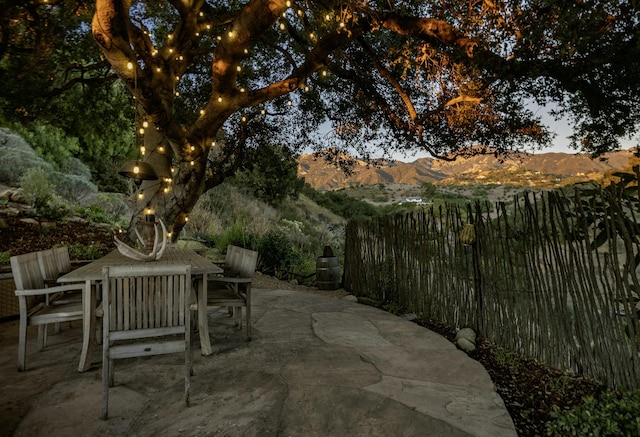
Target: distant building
(416, 200)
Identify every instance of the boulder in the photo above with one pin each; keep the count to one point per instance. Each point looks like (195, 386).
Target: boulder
(465, 345)
(468, 334)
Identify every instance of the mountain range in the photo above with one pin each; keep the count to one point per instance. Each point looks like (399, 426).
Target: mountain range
(543, 170)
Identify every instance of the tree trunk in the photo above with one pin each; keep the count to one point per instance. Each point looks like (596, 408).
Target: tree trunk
(174, 194)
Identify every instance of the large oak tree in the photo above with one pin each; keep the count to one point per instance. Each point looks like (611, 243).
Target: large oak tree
(213, 79)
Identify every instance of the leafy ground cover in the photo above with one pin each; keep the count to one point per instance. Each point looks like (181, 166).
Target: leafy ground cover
(529, 389)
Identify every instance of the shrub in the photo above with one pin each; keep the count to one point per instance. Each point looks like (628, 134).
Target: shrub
(76, 167)
(82, 252)
(613, 415)
(4, 257)
(17, 158)
(94, 214)
(236, 235)
(37, 188)
(112, 205)
(73, 188)
(51, 143)
(276, 252)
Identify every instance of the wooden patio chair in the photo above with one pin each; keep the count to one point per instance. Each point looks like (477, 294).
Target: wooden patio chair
(235, 291)
(232, 258)
(35, 306)
(145, 312)
(53, 264)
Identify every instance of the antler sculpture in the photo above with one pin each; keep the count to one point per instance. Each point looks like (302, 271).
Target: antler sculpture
(156, 253)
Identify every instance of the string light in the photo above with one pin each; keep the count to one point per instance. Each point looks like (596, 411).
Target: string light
(220, 99)
(140, 196)
(145, 124)
(142, 150)
(161, 149)
(130, 65)
(239, 68)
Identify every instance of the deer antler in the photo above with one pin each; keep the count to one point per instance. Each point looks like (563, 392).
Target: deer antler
(155, 254)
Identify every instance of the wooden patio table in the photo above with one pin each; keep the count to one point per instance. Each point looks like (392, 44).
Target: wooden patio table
(91, 274)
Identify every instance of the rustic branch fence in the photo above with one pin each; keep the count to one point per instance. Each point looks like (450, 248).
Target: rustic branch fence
(533, 281)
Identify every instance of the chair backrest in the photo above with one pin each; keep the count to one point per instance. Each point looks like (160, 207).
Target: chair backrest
(62, 259)
(27, 275)
(246, 267)
(233, 256)
(146, 297)
(48, 264)
(26, 271)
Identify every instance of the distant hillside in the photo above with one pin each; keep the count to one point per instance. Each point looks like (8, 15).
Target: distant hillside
(544, 169)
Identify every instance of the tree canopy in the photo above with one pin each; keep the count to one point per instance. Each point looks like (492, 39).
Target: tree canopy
(214, 79)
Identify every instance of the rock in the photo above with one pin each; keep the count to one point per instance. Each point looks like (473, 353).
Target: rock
(30, 221)
(468, 334)
(293, 282)
(410, 316)
(17, 197)
(5, 195)
(465, 345)
(350, 298)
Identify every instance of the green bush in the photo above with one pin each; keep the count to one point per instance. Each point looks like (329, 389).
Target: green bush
(51, 143)
(17, 158)
(276, 252)
(73, 188)
(82, 252)
(94, 214)
(612, 415)
(36, 188)
(4, 257)
(236, 235)
(112, 205)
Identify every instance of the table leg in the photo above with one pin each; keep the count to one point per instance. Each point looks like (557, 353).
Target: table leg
(203, 323)
(88, 325)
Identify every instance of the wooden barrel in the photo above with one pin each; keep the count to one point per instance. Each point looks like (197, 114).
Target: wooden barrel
(327, 273)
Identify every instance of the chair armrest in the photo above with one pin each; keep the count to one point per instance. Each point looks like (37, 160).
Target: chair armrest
(50, 290)
(228, 280)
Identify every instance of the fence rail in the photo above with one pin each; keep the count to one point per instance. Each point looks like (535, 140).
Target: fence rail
(533, 281)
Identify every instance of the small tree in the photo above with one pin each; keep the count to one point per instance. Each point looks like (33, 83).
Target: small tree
(37, 188)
